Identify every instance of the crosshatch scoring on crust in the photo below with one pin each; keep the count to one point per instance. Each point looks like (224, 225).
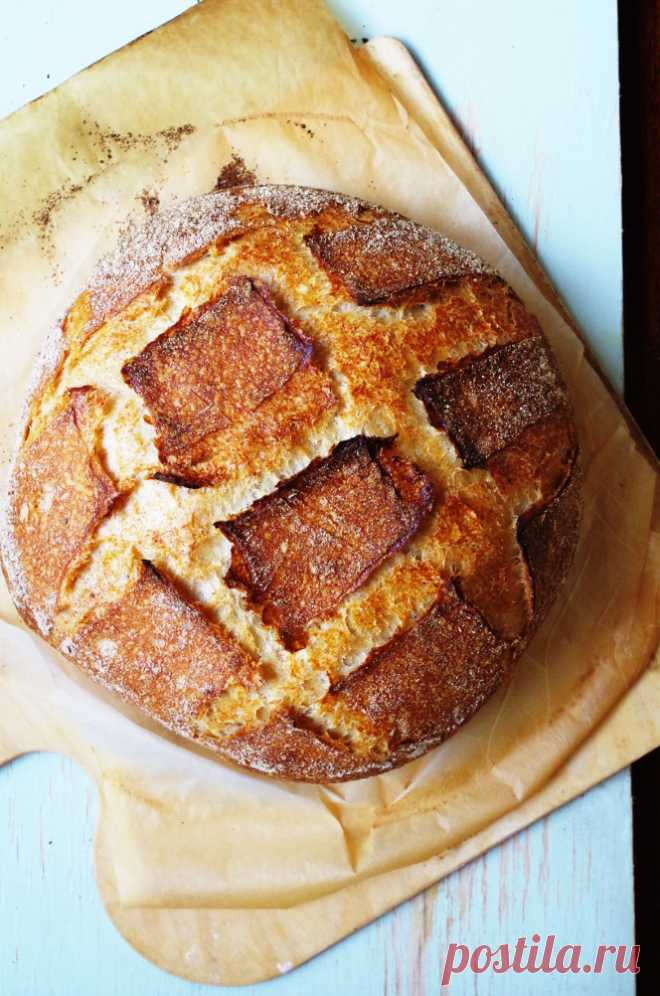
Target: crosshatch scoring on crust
(357, 614)
(215, 364)
(300, 550)
(259, 439)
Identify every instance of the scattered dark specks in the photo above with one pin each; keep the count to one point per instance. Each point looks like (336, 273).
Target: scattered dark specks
(14, 228)
(107, 141)
(235, 174)
(304, 127)
(174, 136)
(150, 201)
(108, 146)
(44, 215)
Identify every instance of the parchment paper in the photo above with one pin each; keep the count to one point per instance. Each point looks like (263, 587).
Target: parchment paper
(214, 873)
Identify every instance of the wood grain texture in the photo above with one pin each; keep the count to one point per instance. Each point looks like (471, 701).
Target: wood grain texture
(543, 120)
(563, 876)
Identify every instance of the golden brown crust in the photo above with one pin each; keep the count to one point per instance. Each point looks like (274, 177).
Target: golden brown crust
(215, 364)
(503, 310)
(60, 492)
(300, 551)
(157, 649)
(143, 255)
(256, 438)
(492, 575)
(270, 340)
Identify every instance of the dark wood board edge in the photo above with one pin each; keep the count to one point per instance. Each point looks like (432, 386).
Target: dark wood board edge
(639, 73)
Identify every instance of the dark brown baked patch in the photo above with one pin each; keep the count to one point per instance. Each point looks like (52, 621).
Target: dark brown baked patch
(377, 260)
(159, 650)
(484, 402)
(60, 493)
(548, 538)
(216, 364)
(431, 677)
(300, 550)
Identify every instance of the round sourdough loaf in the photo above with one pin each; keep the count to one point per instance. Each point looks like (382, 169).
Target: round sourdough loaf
(298, 478)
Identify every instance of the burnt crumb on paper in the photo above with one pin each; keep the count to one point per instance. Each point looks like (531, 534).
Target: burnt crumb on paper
(303, 127)
(106, 147)
(235, 174)
(108, 143)
(44, 215)
(173, 137)
(150, 201)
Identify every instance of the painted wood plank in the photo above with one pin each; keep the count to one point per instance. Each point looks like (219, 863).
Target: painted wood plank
(535, 86)
(554, 878)
(558, 877)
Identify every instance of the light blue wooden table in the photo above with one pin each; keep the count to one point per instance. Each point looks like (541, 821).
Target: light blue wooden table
(534, 86)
